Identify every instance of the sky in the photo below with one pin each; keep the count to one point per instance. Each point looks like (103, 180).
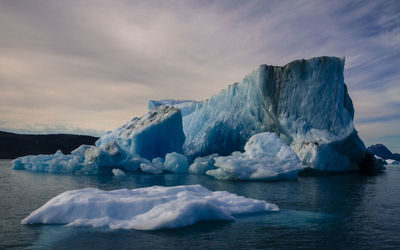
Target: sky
(89, 66)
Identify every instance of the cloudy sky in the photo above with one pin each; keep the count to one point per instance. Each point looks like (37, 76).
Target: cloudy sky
(88, 66)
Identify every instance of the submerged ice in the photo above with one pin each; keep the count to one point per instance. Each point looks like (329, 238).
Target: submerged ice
(148, 208)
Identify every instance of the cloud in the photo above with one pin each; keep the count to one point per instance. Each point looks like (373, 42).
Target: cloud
(94, 64)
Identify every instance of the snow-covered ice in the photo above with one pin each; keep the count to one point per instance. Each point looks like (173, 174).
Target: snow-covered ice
(148, 208)
(266, 157)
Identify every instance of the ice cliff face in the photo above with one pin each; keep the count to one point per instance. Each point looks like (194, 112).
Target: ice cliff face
(304, 102)
(153, 135)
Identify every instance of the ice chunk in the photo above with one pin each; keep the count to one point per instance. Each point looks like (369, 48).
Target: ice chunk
(202, 164)
(158, 162)
(150, 168)
(176, 163)
(266, 157)
(155, 167)
(305, 102)
(57, 163)
(144, 208)
(118, 172)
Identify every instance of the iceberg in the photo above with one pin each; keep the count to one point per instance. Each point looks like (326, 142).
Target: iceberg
(137, 142)
(306, 103)
(148, 208)
(266, 157)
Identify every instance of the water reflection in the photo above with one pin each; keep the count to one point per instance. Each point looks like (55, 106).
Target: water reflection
(324, 212)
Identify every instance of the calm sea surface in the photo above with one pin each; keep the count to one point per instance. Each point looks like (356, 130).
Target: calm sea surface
(343, 211)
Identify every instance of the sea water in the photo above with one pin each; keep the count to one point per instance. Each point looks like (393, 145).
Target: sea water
(341, 211)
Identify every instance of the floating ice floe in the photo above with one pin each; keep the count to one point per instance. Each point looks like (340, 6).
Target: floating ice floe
(202, 164)
(176, 163)
(148, 208)
(266, 157)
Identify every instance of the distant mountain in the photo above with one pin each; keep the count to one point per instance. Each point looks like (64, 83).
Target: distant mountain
(16, 145)
(383, 152)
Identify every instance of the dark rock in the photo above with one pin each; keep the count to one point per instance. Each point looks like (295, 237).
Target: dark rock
(370, 165)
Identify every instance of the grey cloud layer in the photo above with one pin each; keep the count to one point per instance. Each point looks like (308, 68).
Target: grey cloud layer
(91, 65)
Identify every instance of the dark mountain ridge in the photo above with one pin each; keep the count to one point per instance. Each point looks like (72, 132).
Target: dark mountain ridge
(15, 145)
(383, 152)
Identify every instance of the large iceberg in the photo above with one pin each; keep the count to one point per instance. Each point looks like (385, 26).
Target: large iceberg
(144, 208)
(266, 157)
(305, 102)
(137, 142)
